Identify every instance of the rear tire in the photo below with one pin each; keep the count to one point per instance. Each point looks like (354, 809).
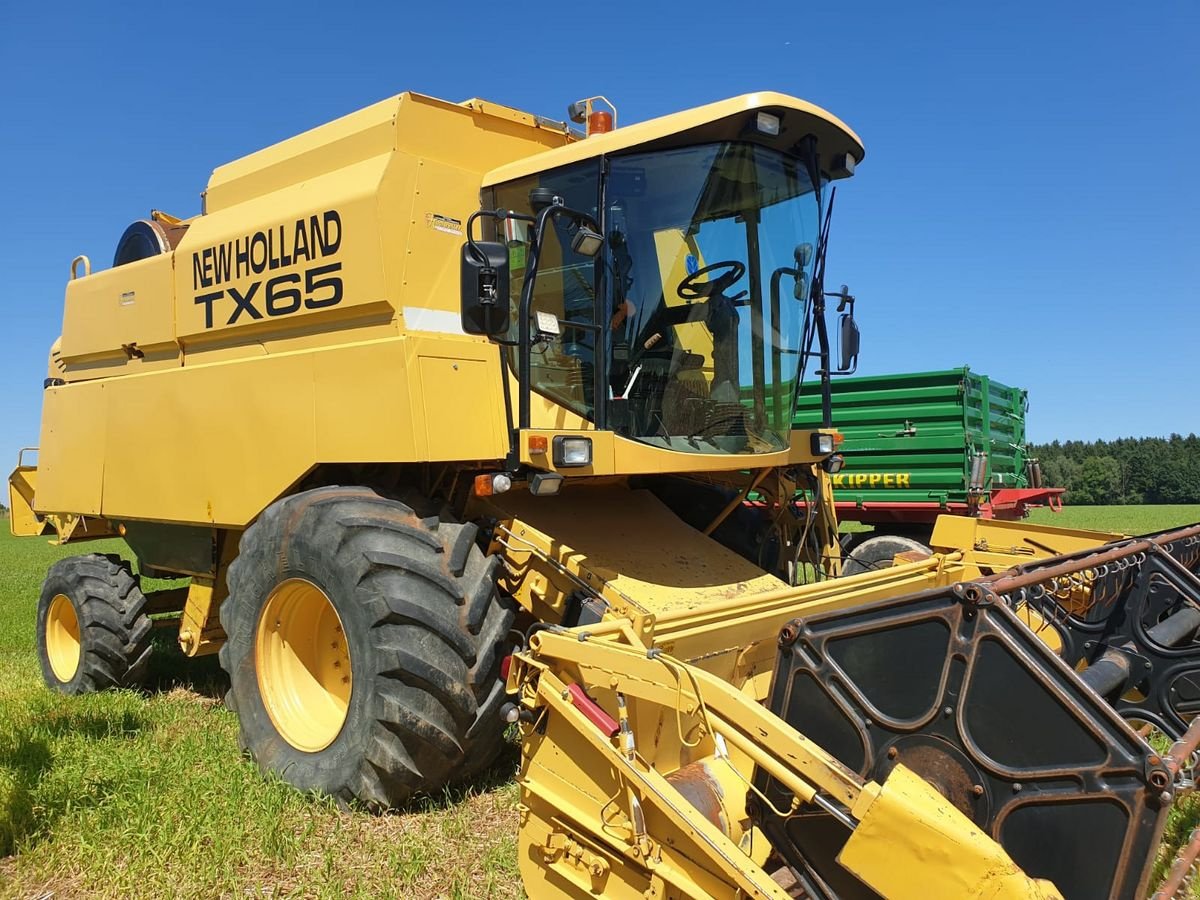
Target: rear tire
(879, 553)
(92, 629)
(424, 633)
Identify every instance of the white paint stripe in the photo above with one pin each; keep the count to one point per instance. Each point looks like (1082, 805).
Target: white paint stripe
(419, 318)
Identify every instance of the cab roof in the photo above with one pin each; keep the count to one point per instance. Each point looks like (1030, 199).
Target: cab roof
(730, 119)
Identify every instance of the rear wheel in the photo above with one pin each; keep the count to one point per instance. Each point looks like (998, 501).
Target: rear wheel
(364, 646)
(879, 553)
(92, 629)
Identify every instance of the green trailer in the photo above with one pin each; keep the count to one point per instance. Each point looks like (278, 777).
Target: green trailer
(920, 444)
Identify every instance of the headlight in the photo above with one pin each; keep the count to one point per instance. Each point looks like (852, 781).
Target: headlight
(822, 444)
(572, 451)
(834, 464)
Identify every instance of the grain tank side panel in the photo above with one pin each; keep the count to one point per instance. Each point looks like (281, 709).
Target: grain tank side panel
(441, 199)
(309, 316)
(242, 432)
(232, 434)
(73, 447)
(360, 135)
(305, 258)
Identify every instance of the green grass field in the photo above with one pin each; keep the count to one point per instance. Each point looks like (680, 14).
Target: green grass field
(146, 795)
(1125, 519)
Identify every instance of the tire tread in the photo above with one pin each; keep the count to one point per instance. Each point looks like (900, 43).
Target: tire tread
(437, 627)
(114, 627)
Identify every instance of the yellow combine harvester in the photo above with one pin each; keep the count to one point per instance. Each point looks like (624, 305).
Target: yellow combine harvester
(432, 469)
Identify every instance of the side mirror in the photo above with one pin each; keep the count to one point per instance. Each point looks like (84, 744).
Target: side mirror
(848, 356)
(485, 301)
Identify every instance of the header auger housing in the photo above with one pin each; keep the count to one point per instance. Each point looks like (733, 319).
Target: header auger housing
(440, 391)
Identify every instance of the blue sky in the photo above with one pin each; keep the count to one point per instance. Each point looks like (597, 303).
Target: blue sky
(1029, 204)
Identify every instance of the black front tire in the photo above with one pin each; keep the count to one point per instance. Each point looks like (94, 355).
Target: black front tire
(879, 553)
(110, 624)
(425, 632)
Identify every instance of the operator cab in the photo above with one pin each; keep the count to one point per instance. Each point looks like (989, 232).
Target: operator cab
(687, 324)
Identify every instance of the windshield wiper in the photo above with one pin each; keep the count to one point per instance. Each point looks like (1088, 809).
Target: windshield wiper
(818, 313)
(814, 323)
(822, 246)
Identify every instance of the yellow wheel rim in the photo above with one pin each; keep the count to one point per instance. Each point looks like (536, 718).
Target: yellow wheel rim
(62, 638)
(303, 665)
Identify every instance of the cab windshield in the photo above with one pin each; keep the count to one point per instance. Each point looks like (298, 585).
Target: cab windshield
(709, 251)
(702, 286)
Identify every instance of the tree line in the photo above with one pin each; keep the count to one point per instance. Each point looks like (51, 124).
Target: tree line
(1127, 470)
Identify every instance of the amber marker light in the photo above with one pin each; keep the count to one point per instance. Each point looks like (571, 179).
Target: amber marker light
(492, 483)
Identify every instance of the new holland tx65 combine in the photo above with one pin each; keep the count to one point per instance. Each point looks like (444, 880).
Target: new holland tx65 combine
(432, 470)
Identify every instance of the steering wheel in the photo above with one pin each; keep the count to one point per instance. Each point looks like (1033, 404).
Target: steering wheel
(691, 288)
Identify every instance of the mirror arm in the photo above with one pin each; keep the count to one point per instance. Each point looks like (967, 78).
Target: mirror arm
(845, 299)
(479, 255)
(499, 215)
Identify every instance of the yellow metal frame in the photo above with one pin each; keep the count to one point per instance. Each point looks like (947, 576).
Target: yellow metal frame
(618, 544)
(837, 136)
(22, 486)
(200, 631)
(632, 830)
(620, 817)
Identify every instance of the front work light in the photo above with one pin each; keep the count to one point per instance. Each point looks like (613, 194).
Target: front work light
(586, 242)
(821, 444)
(545, 326)
(834, 464)
(767, 123)
(572, 451)
(545, 484)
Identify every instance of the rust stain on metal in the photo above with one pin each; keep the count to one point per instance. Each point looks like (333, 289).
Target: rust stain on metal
(700, 789)
(944, 772)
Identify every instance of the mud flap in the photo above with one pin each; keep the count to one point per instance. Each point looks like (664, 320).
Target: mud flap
(951, 685)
